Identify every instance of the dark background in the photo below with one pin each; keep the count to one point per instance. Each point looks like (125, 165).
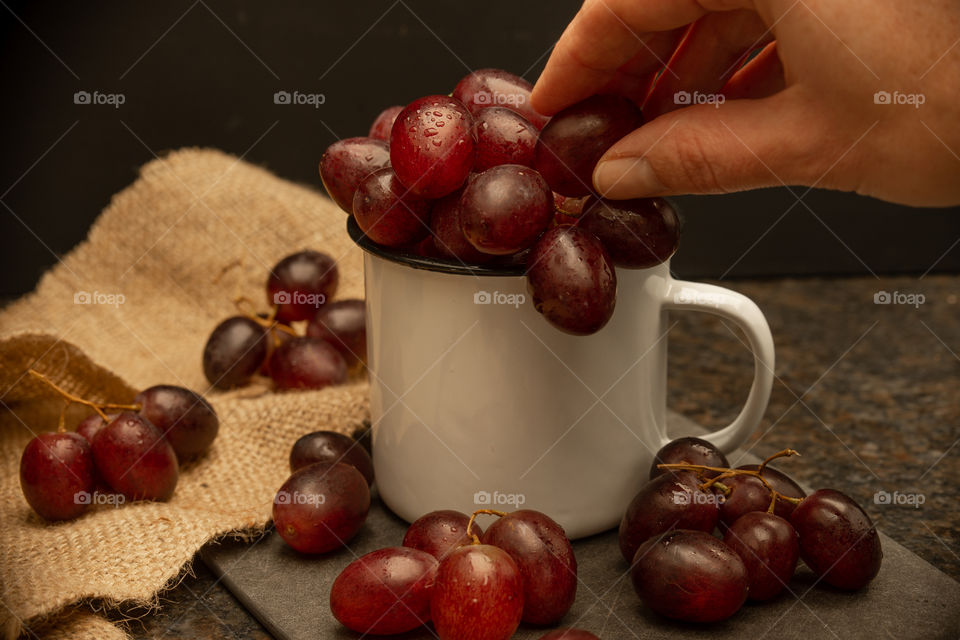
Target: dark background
(204, 72)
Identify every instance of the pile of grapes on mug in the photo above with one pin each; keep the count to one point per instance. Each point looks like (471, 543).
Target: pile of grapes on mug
(479, 178)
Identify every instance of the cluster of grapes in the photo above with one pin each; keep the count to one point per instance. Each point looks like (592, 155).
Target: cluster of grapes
(136, 453)
(299, 289)
(479, 177)
(448, 570)
(682, 571)
(325, 501)
(467, 582)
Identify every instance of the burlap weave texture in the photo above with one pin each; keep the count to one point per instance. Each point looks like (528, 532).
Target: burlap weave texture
(196, 229)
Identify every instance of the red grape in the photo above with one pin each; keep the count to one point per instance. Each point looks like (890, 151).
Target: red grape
(380, 129)
(330, 446)
(637, 233)
(56, 470)
(505, 209)
(671, 501)
(689, 575)
(837, 539)
(440, 532)
(135, 459)
(275, 338)
(569, 634)
(748, 493)
(185, 419)
(90, 426)
(307, 363)
(344, 325)
(574, 140)
(768, 546)
(572, 280)
(448, 238)
(485, 88)
(545, 558)
(321, 507)
(432, 145)
(387, 212)
(503, 137)
(426, 247)
(478, 595)
(346, 162)
(385, 591)
(234, 352)
(689, 450)
(300, 284)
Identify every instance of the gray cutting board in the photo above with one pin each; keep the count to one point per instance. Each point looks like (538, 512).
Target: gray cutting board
(289, 593)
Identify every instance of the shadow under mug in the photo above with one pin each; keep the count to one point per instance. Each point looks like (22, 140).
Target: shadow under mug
(476, 401)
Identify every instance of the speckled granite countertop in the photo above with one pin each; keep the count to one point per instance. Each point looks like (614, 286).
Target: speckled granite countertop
(868, 393)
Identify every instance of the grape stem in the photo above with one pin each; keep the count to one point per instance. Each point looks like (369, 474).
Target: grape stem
(491, 512)
(70, 398)
(267, 323)
(726, 472)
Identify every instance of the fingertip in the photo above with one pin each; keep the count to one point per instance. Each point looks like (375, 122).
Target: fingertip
(541, 101)
(624, 178)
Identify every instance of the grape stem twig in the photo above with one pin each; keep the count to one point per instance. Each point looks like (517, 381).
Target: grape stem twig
(268, 323)
(491, 512)
(726, 472)
(71, 398)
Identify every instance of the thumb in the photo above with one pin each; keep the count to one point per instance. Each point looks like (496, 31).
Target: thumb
(719, 148)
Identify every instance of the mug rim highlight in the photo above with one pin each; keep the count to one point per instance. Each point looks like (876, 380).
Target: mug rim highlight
(406, 258)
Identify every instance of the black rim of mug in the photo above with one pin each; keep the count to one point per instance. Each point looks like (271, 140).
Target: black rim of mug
(406, 258)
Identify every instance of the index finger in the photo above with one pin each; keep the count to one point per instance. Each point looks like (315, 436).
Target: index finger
(604, 35)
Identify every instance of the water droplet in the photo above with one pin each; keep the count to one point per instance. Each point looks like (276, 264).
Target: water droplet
(430, 131)
(440, 123)
(437, 142)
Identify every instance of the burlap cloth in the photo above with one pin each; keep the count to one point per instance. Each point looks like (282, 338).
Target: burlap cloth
(196, 229)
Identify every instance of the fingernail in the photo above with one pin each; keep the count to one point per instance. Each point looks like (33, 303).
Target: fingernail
(626, 178)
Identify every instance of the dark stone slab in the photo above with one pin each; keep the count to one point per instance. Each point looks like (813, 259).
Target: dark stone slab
(289, 592)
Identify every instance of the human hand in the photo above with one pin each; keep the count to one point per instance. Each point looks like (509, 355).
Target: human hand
(859, 95)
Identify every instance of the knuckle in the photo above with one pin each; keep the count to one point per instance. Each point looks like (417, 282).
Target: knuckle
(688, 163)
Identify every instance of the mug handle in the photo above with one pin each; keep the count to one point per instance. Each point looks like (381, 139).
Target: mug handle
(698, 296)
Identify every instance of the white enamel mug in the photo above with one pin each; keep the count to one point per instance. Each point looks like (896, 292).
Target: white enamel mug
(477, 402)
